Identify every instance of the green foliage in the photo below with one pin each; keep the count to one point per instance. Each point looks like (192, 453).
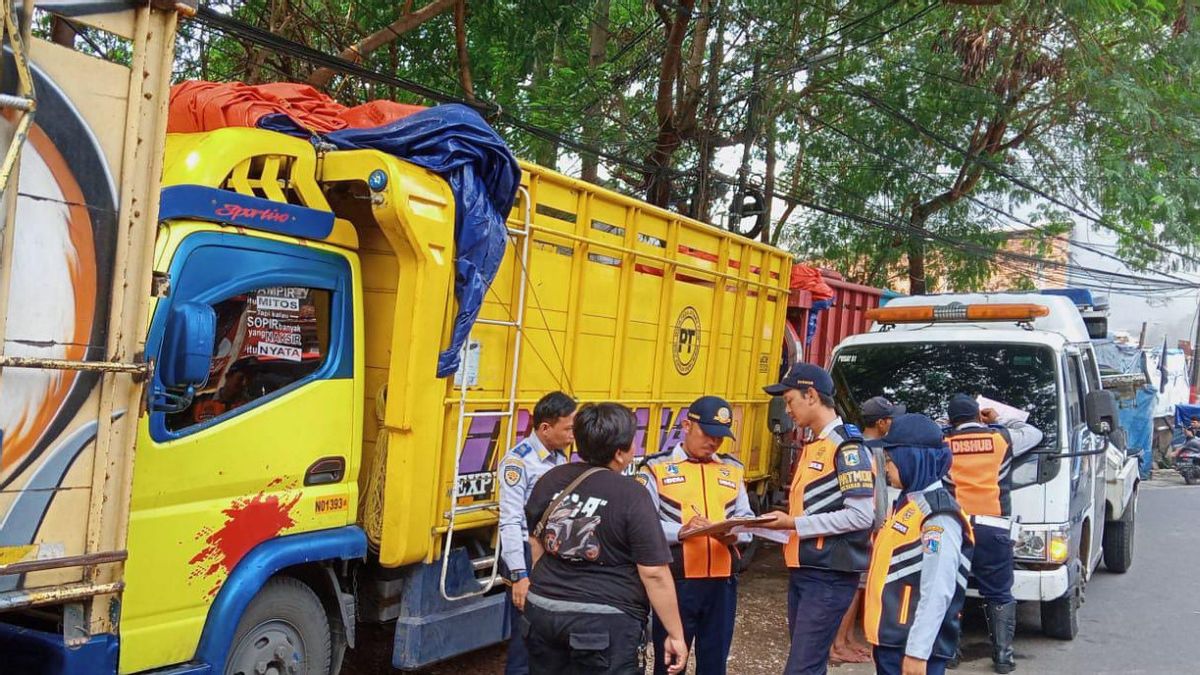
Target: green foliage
(918, 127)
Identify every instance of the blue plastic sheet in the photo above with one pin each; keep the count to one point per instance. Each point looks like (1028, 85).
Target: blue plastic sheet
(814, 315)
(1136, 417)
(454, 142)
(1184, 414)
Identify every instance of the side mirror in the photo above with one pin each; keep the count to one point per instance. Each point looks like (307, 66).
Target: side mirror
(186, 354)
(778, 420)
(1101, 410)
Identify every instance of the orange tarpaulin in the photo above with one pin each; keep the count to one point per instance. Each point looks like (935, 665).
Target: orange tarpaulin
(197, 105)
(806, 278)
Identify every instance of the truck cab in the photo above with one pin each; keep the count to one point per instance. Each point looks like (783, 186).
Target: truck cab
(1033, 353)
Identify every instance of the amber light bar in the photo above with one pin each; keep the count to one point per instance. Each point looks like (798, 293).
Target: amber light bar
(957, 312)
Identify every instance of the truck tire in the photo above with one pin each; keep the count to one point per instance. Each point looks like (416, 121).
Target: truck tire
(1060, 618)
(284, 630)
(1118, 539)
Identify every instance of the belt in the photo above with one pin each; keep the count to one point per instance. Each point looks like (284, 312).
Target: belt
(998, 522)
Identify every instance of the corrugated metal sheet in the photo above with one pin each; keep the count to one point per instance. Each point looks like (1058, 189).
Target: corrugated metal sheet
(846, 317)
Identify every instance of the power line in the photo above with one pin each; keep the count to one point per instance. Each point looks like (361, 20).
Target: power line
(265, 38)
(877, 152)
(996, 169)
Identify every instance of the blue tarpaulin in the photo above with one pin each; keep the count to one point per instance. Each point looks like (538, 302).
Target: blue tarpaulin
(1137, 419)
(454, 142)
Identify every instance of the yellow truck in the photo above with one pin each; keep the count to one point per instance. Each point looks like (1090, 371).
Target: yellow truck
(297, 465)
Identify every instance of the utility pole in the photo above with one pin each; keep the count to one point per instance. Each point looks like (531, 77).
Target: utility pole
(1195, 363)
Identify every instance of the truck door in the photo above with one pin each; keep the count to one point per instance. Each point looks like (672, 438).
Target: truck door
(1098, 445)
(1083, 462)
(263, 449)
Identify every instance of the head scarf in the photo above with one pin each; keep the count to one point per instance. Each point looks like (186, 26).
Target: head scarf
(920, 466)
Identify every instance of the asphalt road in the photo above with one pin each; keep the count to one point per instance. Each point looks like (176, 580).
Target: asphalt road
(1145, 621)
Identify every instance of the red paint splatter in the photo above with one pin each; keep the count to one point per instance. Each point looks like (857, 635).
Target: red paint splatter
(248, 522)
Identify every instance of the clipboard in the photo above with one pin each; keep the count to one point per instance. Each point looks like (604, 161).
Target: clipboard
(724, 526)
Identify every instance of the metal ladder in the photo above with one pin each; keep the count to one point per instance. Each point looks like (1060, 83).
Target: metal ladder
(24, 101)
(509, 412)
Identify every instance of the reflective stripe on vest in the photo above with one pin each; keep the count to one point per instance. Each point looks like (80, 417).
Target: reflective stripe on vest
(710, 489)
(815, 490)
(980, 474)
(894, 579)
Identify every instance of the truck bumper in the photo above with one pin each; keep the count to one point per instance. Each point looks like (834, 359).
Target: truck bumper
(32, 651)
(431, 629)
(1036, 585)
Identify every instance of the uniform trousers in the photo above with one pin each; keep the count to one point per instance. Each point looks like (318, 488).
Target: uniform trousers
(817, 601)
(518, 655)
(707, 608)
(889, 660)
(992, 564)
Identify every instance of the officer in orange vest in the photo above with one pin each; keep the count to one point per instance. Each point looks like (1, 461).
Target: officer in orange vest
(693, 485)
(830, 513)
(921, 557)
(981, 479)
(877, 414)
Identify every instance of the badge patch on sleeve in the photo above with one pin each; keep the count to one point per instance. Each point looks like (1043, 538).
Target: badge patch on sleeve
(512, 474)
(850, 456)
(642, 478)
(931, 539)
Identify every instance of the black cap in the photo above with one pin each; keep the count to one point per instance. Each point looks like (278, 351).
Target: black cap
(914, 429)
(879, 407)
(962, 407)
(714, 415)
(803, 376)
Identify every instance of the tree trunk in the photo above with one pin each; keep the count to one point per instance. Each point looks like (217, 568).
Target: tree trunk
(62, 32)
(702, 193)
(659, 179)
(768, 180)
(460, 43)
(362, 49)
(597, 51)
(916, 266)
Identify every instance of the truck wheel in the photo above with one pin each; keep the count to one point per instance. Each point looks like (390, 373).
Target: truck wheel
(1060, 618)
(284, 631)
(1118, 539)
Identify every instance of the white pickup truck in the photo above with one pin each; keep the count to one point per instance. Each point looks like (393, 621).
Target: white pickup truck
(1075, 494)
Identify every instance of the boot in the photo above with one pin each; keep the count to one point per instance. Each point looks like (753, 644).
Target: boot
(1002, 624)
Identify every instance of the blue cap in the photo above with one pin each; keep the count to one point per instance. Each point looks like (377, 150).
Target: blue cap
(880, 407)
(803, 376)
(962, 407)
(914, 430)
(714, 415)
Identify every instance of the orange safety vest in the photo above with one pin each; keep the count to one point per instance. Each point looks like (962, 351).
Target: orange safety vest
(687, 488)
(981, 472)
(894, 580)
(817, 488)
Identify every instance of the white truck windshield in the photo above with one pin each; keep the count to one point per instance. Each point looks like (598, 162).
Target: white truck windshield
(923, 376)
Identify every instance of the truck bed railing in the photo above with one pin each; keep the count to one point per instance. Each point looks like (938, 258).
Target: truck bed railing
(525, 234)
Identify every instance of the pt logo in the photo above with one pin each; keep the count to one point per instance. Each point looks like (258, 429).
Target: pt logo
(686, 345)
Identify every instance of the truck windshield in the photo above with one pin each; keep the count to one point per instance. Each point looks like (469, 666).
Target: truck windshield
(923, 376)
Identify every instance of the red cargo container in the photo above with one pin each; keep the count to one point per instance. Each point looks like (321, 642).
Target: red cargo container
(846, 317)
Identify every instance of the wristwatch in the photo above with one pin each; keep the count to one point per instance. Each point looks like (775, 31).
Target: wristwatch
(517, 575)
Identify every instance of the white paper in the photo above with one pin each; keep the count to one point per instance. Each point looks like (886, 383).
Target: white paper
(1004, 412)
(777, 536)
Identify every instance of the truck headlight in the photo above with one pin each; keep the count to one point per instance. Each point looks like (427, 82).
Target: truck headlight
(1043, 543)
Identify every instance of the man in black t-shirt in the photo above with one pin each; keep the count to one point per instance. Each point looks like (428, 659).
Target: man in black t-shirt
(600, 560)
